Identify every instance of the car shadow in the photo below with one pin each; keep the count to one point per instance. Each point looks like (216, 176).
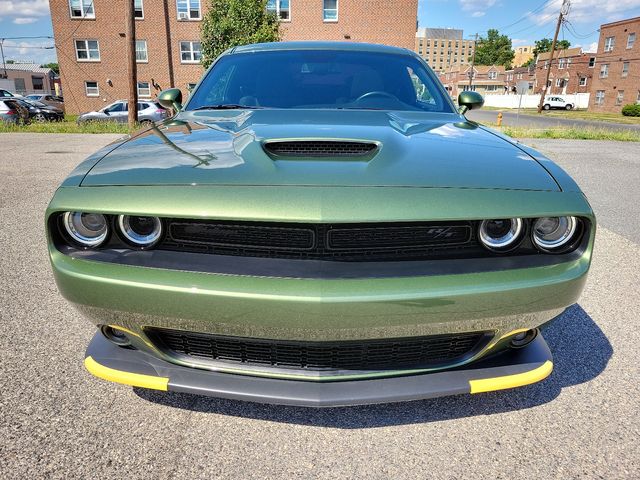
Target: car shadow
(581, 352)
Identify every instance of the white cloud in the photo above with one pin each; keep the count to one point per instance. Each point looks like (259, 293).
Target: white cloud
(520, 41)
(477, 7)
(24, 20)
(584, 11)
(24, 8)
(29, 51)
(592, 48)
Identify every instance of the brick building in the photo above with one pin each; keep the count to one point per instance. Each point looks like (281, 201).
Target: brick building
(571, 71)
(27, 78)
(520, 74)
(443, 48)
(616, 79)
(522, 55)
(486, 79)
(91, 44)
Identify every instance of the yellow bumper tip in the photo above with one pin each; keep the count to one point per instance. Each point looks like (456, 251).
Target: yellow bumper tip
(126, 378)
(512, 381)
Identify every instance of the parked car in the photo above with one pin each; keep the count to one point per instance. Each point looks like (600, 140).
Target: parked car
(39, 112)
(554, 102)
(148, 112)
(320, 225)
(53, 100)
(13, 112)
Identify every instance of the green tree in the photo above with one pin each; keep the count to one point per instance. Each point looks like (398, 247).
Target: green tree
(53, 66)
(544, 45)
(230, 23)
(494, 49)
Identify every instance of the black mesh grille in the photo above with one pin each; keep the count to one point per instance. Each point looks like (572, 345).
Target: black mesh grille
(320, 149)
(345, 242)
(349, 355)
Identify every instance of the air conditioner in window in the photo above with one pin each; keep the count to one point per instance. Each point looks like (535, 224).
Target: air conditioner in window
(183, 16)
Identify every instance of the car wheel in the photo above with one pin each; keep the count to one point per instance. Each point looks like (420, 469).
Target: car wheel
(40, 118)
(569, 107)
(146, 123)
(547, 106)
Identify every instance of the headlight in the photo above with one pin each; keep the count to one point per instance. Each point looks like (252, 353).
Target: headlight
(500, 234)
(551, 233)
(141, 231)
(88, 229)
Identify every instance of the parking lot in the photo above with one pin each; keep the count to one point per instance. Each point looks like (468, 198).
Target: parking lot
(57, 421)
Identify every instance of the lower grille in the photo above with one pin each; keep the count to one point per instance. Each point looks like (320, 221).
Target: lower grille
(435, 350)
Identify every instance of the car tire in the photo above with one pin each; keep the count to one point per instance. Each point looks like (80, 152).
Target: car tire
(146, 123)
(547, 106)
(40, 118)
(568, 107)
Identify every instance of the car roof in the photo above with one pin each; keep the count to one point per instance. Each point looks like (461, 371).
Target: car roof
(345, 46)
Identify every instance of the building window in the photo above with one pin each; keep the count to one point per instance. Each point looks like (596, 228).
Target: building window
(493, 75)
(638, 97)
(144, 90)
(138, 10)
(190, 52)
(82, 9)
(330, 11)
(37, 82)
(620, 97)
(281, 9)
(600, 97)
(188, 9)
(604, 70)
(141, 51)
(631, 40)
(191, 86)
(625, 69)
(546, 64)
(558, 82)
(87, 50)
(568, 62)
(583, 81)
(592, 62)
(91, 89)
(609, 43)
(561, 63)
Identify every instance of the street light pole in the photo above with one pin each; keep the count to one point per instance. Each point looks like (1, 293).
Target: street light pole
(473, 62)
(563, 11)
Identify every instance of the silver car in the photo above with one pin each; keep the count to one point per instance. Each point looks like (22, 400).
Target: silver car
(148, 112)
(12, 112)
(47, 99)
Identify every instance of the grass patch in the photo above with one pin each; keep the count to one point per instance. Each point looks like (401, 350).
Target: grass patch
(570, 133)
(575, 115)
(69, 125)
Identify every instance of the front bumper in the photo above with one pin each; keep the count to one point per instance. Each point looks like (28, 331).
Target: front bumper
(509, 369)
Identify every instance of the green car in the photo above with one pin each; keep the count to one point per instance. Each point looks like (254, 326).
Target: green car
(319, 225)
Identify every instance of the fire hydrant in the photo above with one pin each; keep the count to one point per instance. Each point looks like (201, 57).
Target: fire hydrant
(499, 119)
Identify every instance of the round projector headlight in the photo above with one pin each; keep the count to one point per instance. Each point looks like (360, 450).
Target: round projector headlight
(141, 231)
(551, 233)
(88, 229)
(500, 234)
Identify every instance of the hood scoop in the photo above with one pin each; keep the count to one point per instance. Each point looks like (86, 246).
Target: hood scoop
(329, 149)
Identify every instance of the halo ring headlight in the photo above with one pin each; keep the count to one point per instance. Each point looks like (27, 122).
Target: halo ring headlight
(87, 229)
(140, 230)
(552, 233)
(502, 234)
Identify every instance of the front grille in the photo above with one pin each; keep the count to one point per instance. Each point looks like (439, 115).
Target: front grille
(335, 242)
(320, 148)
(435, 350)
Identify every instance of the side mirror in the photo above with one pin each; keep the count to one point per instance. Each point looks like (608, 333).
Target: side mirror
(171, 98)
(469, 101)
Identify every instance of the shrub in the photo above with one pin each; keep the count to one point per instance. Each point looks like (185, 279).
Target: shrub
(631, 110)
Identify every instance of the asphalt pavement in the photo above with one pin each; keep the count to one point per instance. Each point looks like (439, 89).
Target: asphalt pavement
(512, 119)
(57, 421)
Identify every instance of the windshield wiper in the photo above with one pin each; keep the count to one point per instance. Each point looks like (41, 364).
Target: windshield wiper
(228, 106)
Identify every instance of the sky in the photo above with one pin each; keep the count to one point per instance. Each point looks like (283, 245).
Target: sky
(523, 21)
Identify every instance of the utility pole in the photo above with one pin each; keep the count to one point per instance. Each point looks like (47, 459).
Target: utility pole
(131, 61)
(4, 65)
(473, 62)
(566, 4)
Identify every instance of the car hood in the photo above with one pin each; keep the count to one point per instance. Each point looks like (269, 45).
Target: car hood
(414, 150)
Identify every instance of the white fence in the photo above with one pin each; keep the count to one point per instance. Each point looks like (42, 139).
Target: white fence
(581, 100)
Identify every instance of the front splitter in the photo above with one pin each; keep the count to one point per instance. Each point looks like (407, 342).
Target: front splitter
(509, 369)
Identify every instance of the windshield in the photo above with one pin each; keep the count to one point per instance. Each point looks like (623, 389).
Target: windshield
(320, 79)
